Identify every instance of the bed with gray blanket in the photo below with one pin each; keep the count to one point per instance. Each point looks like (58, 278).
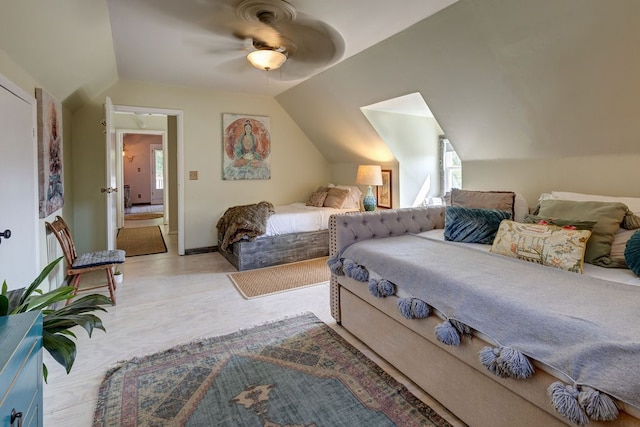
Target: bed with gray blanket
(498, 341)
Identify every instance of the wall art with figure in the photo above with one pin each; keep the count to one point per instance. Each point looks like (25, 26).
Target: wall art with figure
(50, 187)
(247, 147)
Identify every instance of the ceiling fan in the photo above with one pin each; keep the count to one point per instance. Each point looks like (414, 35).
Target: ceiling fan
(274, 32)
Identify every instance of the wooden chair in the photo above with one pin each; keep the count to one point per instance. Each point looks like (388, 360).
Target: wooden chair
(91, 261)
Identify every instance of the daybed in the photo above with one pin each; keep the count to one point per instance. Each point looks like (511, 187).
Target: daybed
(294, 232)
(390, 248)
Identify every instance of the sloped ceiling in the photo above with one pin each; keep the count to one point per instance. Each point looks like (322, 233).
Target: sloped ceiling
(505, 79)
(64, 45)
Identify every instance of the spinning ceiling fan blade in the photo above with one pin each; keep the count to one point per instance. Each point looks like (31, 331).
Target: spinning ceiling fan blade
(312, 41)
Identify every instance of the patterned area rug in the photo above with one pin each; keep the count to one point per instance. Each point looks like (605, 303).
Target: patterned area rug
(141, 241)
(281, 278)
(296, 372)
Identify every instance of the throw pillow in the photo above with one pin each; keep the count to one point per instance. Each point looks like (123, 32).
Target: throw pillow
(501, 200)
(566, 223)
(317, 199)
(607, 216)
(549, 245)
(632, 253)
(472, 225)
(336, 197)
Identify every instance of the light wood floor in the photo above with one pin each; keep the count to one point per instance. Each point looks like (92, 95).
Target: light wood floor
(165, 300)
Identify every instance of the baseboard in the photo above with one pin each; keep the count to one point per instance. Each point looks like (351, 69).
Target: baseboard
(204, 250)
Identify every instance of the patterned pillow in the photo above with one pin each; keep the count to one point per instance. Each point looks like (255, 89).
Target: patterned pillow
(632, 253)
(336, 198)
(472, 225)
(551, 245)
(317, 199)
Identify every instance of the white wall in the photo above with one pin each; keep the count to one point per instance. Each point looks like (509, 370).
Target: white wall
(414, 142)
(613, 175)
(297, 167)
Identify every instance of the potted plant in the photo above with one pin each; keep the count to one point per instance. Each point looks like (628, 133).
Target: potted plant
(118, 276)
(56, 322)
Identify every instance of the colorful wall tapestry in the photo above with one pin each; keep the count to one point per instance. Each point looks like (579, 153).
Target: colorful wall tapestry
(247, 147)
(50, 187)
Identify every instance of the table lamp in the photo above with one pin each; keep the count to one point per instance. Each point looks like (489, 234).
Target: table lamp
(369, 175)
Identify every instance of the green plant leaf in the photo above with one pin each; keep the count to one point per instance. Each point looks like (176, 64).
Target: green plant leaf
(45, 372)
(39, 301)
(4, 305)
(61, 348)
(57, 323)
(34, 285)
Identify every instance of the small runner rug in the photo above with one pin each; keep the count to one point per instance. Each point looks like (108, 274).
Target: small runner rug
(144, 215)
(295, 372)
(281, 278)
(141, 240)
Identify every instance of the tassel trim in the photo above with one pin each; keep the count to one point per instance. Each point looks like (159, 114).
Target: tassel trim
(335, 265)
(381, 288)
(506, 362)
(413, 308)
(580, 403)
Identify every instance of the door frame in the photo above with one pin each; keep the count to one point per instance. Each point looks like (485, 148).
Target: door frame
(179, 160)
(152, 180)
(120, 133)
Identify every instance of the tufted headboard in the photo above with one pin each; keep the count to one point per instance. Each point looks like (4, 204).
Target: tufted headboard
(346, 229)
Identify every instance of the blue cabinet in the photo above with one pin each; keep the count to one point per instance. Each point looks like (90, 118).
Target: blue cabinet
(21, 370)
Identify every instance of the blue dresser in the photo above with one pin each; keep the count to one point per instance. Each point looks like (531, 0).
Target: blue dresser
(21, 370)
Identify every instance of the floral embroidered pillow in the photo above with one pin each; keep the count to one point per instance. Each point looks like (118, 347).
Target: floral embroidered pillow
(551, 245)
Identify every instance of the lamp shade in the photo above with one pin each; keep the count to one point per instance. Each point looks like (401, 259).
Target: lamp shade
(369, 175)
(266, 59)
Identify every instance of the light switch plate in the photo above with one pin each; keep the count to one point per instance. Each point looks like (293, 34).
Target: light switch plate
(193, 175)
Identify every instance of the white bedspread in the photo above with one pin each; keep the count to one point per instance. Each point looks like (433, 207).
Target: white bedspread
(299, 218)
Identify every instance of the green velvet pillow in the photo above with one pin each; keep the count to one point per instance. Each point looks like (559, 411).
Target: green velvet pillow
(632, 253)
(607, 216)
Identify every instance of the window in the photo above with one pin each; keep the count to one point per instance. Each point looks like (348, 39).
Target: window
(451, 167)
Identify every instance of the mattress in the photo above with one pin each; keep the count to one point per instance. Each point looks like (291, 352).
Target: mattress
(299, 218)
(620, 275)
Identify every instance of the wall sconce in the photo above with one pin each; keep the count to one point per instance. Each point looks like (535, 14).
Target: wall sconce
(369, 175)
(124, 153)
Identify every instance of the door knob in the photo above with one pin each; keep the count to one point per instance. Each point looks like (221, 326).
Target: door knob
(108, 190)
(6, 234)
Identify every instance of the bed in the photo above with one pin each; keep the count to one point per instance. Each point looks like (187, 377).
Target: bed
(426, 351)
(294, 232)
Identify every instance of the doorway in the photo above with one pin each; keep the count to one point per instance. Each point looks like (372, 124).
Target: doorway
(167, 159)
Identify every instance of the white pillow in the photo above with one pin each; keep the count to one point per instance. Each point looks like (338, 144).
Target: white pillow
(353, 199)
(632, 203)
(520, 208)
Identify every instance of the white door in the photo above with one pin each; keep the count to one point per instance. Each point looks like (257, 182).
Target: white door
(19, 254)
(157, 174)
(110, 187)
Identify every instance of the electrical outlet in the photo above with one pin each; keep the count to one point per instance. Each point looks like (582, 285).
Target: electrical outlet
(193, 175)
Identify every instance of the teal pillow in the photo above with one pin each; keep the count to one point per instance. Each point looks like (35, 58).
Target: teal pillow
(472, 225)
(632, 253)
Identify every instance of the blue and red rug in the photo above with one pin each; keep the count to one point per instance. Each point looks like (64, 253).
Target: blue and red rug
(296, 372)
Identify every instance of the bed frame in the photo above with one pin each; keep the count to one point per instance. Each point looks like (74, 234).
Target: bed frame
(451, 375)
(275, 250)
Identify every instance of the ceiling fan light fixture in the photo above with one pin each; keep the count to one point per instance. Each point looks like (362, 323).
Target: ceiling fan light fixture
(267, 59)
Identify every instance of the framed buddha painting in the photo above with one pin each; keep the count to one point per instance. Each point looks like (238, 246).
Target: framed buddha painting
(247, 147)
